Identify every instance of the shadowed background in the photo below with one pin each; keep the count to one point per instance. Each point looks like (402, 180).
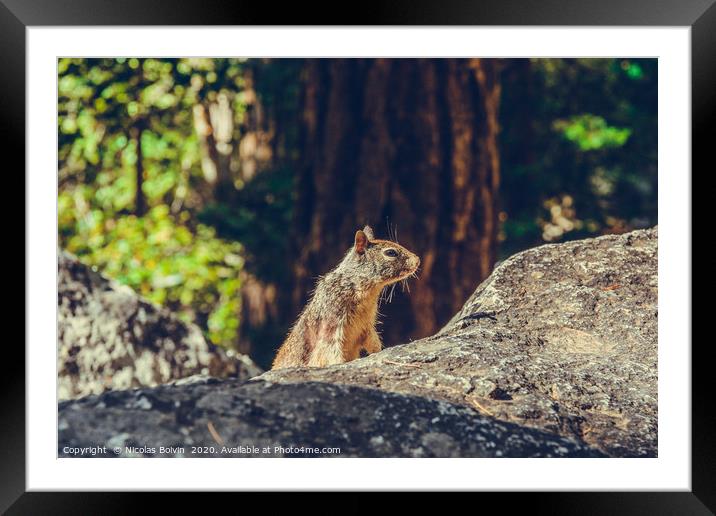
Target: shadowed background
(221, 188)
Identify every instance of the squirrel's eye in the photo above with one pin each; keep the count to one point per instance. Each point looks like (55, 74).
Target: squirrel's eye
(392, 253)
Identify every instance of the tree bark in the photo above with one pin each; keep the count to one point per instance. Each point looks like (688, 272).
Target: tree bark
(409, 146)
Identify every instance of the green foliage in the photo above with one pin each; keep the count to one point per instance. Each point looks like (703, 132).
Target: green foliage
(108, 108)
(192, 272)
(591, 132)
(578, 149)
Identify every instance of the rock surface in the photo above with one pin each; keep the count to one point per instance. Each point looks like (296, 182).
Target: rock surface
(562, 337)
(259, 419)
(109, 338)
(555, 354)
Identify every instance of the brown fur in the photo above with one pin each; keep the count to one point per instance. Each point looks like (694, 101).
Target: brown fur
(340, 318)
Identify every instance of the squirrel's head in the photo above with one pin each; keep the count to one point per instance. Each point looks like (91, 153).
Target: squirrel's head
(386, 261)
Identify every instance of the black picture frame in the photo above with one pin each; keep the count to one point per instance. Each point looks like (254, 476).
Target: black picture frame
(17, 15)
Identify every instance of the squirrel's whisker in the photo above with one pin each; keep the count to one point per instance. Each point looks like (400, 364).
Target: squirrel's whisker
(392, 291)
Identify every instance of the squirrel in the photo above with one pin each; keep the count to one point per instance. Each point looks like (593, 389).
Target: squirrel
(340, 318)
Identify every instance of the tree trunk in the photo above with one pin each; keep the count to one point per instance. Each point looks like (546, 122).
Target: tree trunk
(409, 146)
(213, 124)
(140, 202)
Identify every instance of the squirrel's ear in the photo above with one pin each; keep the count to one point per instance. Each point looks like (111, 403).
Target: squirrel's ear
(369, 232)
(361, 242)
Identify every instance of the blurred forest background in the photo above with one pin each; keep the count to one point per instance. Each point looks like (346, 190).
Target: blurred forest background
(221, 188)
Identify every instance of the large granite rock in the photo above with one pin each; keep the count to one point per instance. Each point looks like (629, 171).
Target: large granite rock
(555, 354)
(213, 418)
(109, 338)
(562, 337)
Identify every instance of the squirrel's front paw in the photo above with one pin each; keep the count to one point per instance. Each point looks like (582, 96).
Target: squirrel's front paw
(372, 347)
